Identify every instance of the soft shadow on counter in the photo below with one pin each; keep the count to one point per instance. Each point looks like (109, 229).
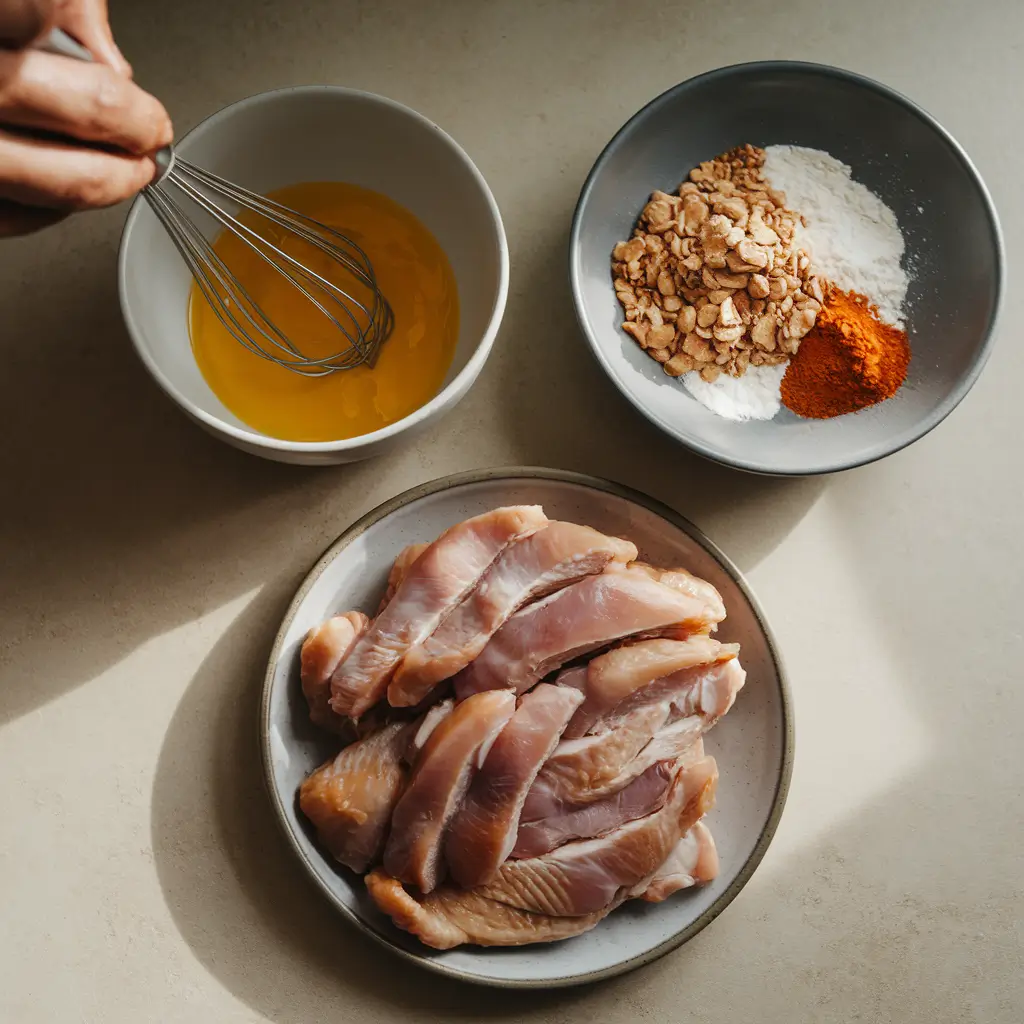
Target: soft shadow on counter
(122, 520)
(236, 892)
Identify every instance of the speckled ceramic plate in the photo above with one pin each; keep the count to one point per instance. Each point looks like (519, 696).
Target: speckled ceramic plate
(753, 744)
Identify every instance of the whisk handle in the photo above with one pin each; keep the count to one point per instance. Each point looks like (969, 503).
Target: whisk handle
(60, 43)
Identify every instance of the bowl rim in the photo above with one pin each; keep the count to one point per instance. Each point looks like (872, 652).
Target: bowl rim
(941, 410)
(463, 379)
(528, 473)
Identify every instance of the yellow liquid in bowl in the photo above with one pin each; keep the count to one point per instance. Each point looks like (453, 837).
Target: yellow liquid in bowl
(414, 275)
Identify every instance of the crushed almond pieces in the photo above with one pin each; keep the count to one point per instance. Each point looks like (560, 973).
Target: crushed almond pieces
(711, 279)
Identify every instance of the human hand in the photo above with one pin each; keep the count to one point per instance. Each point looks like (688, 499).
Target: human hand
(73, 135)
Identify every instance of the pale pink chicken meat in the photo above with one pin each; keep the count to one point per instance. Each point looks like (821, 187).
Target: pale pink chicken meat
(694, 861)
(322, 651)
(558, 555)
(451, 917)
(485, 828)
(658, 723)
(685, 582)
(585, 877)
(644, 794)
(577, 767)
(430, 588)
(440, 779)
(590, 614)
(350, 799)
(399, 568)
(623, 677)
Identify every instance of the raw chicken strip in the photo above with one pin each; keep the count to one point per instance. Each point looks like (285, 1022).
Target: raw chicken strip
(550, 559)
(576, 767)
(439, 782)
(484, 831)
(322, 651)
(585, 877)
(627, 672)
(449, 917)
(694, 861)
(432, 586)
(687, 583)
(405, 558)
(350, 799)
(708, 691)
(642, 796)
(590, 614)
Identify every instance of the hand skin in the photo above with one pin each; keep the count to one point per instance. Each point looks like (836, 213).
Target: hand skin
(73, 135)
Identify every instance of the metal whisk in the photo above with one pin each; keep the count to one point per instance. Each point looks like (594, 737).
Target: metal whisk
(364, 323)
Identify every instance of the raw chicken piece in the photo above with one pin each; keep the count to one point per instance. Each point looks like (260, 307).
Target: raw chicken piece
(456, 747)
(449, 917)
(550, 559)
(642, 796)
(707, 691)
(585, 877)
(405, 558)
(350, 799)
(581, 618)
(431, 587)
(627, 673)
(687, 583)
(576, 767)
(322, 651)
(694, 861)
(484, 830)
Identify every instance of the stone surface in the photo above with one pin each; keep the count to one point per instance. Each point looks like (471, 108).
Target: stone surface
(144, 566)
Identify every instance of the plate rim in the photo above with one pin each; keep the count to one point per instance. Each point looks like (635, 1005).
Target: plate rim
(519, 473)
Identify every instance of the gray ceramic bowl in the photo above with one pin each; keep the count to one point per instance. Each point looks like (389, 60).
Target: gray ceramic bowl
(954, 251)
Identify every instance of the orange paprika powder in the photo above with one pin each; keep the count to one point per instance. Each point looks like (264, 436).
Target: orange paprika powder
(849, 360)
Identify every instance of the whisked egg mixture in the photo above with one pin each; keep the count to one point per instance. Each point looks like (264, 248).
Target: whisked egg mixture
(414, 275)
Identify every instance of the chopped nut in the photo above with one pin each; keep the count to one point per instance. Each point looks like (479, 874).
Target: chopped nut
(661, 354)
(679, 364)
(758, 286)
(725, 280)
(707, 315)
(697, 347)
(763, 333)
(687, 319)
(777, 289)
(665, 283)
(673, 303)
(729, 335)
(704, 332)
(728, 316)
(710, 373)
(660, 336)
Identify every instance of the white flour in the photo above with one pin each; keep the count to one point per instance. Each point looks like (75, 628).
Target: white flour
(754, 396)
(852, 237)
(854, 241)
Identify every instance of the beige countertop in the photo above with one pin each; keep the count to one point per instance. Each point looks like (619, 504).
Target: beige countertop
(144, 566)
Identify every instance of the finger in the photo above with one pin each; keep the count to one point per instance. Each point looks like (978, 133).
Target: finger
(86, 21)
(16, 219)
(65, 176)
(23, 21)
(89, 102)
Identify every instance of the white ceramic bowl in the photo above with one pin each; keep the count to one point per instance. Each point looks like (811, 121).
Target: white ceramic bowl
(753, 744)
(318, 133)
